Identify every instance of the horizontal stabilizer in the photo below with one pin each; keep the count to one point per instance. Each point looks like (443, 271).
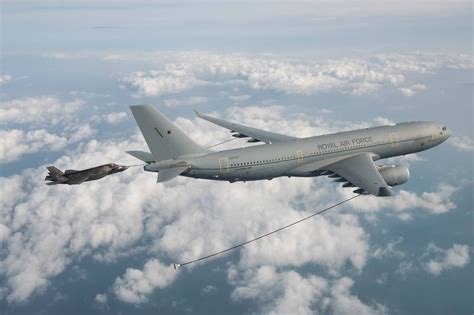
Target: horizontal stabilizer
(170, 173)
(142, 155)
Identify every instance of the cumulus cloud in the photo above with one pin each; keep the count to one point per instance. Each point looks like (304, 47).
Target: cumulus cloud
(288, 292)
(14, 143)
(101, 301)
(4, 78)
(412, 90)
(345, 303)
(389, 250)
(116, 117)
(26, 115)
(407, 92)
(464, 143)
(171, 79)
(135, 285)
(436, 202)
(208, 289)
(325, 241)
(357, 76)
(434, 260)
(189, 101)
(278, 293)
(438, 259)
(383, 121)
(37, 110)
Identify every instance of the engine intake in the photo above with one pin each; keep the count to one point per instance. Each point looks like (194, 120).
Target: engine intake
(394, 174)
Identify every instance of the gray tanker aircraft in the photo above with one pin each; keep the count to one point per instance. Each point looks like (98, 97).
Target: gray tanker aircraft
(348, 157)
(75, 177)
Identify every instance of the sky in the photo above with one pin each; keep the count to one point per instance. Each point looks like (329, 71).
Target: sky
(68, 72)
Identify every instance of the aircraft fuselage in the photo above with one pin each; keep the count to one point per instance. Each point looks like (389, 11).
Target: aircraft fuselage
(301, 157)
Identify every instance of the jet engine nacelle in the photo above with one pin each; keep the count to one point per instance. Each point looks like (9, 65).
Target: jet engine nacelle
(394, 174)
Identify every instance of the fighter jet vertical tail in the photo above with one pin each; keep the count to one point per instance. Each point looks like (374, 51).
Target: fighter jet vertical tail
(165, 140)
(55, 176)
(54, 171)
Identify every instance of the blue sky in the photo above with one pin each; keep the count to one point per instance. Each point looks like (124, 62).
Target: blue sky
(68, 73)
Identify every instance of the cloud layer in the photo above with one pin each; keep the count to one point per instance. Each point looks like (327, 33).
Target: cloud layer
(356, 76)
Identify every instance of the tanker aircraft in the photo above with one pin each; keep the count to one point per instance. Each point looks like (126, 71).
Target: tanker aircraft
(347, 157)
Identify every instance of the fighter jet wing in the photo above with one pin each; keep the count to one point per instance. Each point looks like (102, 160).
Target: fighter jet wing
(359, 170)
(245, 131)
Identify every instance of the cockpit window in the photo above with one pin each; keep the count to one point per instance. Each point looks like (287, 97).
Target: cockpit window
(444, 128)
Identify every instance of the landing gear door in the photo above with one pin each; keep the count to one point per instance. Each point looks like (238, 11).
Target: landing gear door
(224, 165)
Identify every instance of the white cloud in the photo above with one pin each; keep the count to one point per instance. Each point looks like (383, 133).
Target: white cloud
(79, 133)
(116, 117)
(208, 289)
(278, 293)
(101, 301)
(324, 241)
(435, 202)
(176, 72)
(383, 121)
(345, 303)
(288, 292)
(37, 110)
(407, 92)
(438, 259)
(14, 143)
(240, 98)
(4, 78)
(412, 90)
(389, 251)
(189, 101)
(406, 267)
(172, 79)
(27, 114)
(464, 143)
(135, 285)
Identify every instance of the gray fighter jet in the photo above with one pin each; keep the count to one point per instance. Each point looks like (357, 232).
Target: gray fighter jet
(347, 157)
(75, 177)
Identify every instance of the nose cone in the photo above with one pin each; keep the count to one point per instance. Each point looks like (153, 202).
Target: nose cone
(445, 132)
(119, 168)
(122, 168)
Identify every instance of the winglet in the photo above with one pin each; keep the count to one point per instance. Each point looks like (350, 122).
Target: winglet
(198, 113)
(176, 266)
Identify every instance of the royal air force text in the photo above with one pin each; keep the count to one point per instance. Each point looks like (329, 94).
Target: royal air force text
(345, 143)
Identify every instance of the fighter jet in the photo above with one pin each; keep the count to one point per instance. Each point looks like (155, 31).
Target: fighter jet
(347, 157)
(75, 177)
